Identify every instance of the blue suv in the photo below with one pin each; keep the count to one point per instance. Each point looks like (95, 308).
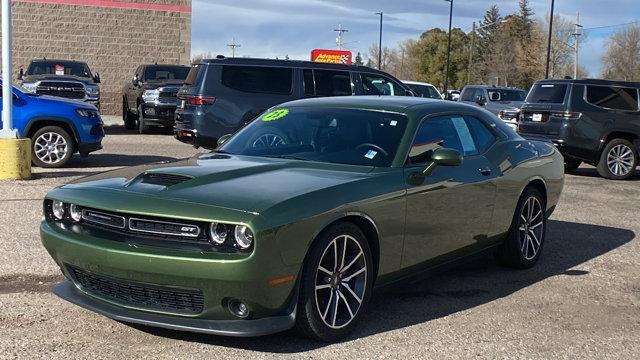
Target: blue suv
(57, 127)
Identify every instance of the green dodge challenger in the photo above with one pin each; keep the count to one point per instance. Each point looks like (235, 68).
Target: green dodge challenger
(296, 218)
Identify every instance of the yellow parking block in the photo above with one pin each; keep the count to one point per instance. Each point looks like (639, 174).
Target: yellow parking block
(15, 159)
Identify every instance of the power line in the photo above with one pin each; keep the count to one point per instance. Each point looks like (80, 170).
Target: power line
(233, 47)
(340, 31)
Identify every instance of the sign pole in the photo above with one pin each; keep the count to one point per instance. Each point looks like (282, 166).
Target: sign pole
(7, 132)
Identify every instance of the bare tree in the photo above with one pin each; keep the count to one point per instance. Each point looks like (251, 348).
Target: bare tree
(622, 59)
(200, 56)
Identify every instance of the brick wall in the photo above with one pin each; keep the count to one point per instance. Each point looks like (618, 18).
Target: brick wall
(112, 36)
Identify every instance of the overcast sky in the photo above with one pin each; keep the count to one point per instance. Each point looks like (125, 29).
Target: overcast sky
(276, 28)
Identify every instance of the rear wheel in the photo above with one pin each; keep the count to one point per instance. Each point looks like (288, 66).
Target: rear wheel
(127, 116)
(571, 165)
(336, 283)
(526, 236)
(618, 160)
(52, 147)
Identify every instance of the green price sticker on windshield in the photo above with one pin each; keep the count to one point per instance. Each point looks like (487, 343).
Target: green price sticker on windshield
(275, 115)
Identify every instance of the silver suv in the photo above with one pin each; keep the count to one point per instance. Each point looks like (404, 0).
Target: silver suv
(504, 102)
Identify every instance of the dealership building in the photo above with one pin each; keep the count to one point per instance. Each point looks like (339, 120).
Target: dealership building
(112, 36)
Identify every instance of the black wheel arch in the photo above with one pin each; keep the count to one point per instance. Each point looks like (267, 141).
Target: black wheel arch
(37, 123)
(628, 135)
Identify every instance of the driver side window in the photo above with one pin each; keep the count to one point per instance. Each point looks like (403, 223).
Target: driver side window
(450, 131)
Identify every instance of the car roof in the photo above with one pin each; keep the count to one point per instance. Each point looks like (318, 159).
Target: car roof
(416, 83)
(414, 107)
(59, 60)
(492, 87)
(176, 65)
(290, 63)
(588, 81)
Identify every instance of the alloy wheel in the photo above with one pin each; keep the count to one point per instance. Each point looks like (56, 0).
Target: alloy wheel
(268, 141)
(341, 279)
(50, 147)
(620, 160)
(531, 227)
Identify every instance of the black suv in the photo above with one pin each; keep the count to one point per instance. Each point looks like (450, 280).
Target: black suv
(149, 98)
(221, 95)
(62, 78)
(592, 121)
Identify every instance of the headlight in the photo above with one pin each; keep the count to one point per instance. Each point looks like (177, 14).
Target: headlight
(87, 113)
(93, 91)
(151, 95)
(243, 236)
(30, 87)
(218, 233)
(57, 208)
(75, 212)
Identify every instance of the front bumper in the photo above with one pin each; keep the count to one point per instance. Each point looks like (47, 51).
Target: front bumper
(159, 113)
(86, 148)
(220, 277)
(240, 328)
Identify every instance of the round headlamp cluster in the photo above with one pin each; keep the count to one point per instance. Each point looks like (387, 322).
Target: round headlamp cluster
(60, 211)
(241, 235)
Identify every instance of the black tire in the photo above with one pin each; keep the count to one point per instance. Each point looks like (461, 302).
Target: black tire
(127, 116)
(521, 251)
(571, 165)
(63, 147)
(622, 153)
(338, 323)
(143, 128)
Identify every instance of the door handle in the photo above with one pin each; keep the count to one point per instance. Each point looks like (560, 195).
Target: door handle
(485, 171)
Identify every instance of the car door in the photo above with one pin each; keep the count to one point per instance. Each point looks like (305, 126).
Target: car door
(450, 209)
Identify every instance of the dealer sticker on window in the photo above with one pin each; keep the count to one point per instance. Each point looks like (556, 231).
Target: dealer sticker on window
(275, 115)
(371, 154)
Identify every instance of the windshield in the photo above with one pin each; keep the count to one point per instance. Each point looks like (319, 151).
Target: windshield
(152, 73)
(425, 91)
(331, 135)
(506, 95)
(547, 93)
(59, 68)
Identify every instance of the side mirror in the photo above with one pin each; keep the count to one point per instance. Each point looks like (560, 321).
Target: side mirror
(96, 78)
(21, 74)
(443, 157)
(134, 80)
(223, 139)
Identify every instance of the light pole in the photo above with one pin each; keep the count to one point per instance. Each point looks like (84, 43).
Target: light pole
(473, 38)
(446, 75)
(380, 43)
(7, 132)
(546, 71)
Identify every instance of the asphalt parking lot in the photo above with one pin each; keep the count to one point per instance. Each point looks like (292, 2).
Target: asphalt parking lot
(582, 300)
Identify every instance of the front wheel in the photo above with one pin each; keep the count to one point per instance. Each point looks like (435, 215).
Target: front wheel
(527, 233)
(143, 128)
(336, 283)
(618, 160)
(52, 147)
(129, 119)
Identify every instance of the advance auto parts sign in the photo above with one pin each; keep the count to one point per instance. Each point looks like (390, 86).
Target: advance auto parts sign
(331, 56)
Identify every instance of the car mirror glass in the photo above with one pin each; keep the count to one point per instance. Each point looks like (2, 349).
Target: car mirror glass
(223, 139)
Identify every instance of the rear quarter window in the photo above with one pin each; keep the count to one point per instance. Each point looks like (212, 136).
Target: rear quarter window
(193, 74)
(547, 93)
(611, 97)
(255, 79)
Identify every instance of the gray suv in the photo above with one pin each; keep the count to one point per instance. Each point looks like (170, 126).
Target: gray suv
(504, 102)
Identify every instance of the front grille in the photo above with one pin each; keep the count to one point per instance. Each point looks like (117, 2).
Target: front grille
(143, 296)
(145, 227)
(71, 90)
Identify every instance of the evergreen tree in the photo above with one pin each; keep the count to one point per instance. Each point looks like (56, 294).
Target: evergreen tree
(486, 37)
(358, 59)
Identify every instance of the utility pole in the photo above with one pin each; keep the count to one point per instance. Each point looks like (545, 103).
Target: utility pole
(473, 38)
(380, 43)
(233, 47)
(577, 34)
(546, 71)
(446, 75)
(340, 31)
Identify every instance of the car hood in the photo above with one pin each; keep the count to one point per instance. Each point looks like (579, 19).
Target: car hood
(160, 83)
(506, 105)
(243, 183)
(34, 78)
(60, 100)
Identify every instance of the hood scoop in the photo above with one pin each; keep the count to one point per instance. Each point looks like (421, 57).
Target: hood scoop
(164, 179)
